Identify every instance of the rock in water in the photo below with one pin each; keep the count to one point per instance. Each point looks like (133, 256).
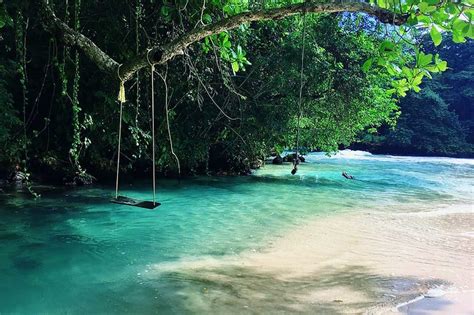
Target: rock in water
(290, 158)
(256, 164)
(434, 293)
(277, 160)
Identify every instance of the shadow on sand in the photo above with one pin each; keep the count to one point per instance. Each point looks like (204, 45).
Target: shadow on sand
(233, 289)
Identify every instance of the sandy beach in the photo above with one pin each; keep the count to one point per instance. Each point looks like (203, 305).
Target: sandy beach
(370, 262)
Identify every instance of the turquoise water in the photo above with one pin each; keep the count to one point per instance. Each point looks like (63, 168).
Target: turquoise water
(73, 252)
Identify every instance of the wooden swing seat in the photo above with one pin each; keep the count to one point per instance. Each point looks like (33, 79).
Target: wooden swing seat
(122, 200)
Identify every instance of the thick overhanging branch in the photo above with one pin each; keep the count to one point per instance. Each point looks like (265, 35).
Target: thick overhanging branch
(160, 54)
(55, 26)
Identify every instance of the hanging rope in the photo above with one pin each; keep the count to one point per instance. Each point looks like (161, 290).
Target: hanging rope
(152, 122)
(121, 99)
(168, 124)
(296, 160)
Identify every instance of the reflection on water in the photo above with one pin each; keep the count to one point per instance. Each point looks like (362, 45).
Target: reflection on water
(73, 252)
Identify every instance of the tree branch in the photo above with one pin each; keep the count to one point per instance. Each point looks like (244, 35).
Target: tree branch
(161, 54)
(55, 26)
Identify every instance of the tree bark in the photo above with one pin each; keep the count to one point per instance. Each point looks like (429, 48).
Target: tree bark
(52, 24)
(160, 54)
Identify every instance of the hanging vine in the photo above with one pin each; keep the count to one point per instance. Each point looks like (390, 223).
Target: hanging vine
(138, 17)
(21, 27)
(66, 53)
(76, 125)
(137, 134)
(20, 43)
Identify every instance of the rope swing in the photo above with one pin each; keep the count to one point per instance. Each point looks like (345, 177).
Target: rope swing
(296, 160)
(168, 123)
(152, 122)
(121, 98)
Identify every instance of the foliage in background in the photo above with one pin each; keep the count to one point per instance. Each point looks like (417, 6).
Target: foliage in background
(440, 119)
(232, 97)
(9, 121)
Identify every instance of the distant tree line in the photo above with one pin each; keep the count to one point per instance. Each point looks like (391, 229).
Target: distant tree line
(440, 119)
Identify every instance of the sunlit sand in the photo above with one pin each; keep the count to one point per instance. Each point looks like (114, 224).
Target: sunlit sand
(364, 262)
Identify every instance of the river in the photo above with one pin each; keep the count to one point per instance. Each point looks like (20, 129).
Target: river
(266, 243)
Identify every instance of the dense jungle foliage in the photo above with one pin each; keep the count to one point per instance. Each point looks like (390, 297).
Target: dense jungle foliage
(230, 99)
(440, 119)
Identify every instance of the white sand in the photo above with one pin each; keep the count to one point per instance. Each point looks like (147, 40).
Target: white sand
(366, 262)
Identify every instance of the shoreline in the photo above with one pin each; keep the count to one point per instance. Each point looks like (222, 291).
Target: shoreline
(359, 262)
(460, 303)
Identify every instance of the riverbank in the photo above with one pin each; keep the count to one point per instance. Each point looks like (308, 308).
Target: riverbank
(359, 262)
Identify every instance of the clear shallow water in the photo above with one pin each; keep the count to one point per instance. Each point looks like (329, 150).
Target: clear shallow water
(73, 252)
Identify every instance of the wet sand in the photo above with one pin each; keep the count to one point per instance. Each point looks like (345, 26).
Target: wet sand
(459, 303)
(359, 262)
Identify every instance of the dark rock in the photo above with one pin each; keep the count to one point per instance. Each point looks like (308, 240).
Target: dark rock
(291, 157)
(80, 178)
(19, 176)
(245, 172)
(256, 164)
(278, 160)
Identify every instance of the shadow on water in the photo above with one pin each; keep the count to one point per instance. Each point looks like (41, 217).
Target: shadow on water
(25, 263)
(45, 226)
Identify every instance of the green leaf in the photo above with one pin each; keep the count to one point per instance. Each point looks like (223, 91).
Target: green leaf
(439, 17)
(407, 72)
(423, 59)
(386, 46)
(425, 7)
(433, 69)
(225, 54)
(423, 19)
(459, 25)
(436, 35)
(367, 65)
(417, 80)
(165, 11)
(207, 18)
(458, 37)
(235, 66)
(382, 3)
(442, 66)
(470, 14)
(470, 32)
